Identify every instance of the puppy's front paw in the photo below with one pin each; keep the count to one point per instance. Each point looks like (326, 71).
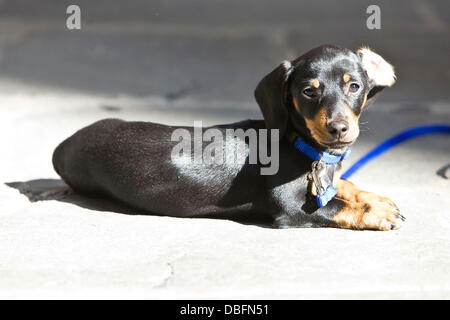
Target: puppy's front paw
(378, 214)
(382, 215)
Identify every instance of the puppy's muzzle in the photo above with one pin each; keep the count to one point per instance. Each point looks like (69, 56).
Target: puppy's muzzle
(337, 128)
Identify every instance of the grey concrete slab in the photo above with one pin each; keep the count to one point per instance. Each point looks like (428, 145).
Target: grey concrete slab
(160, 65)
(220, 12)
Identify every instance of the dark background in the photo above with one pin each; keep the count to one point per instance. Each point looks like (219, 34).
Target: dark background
(214, 49)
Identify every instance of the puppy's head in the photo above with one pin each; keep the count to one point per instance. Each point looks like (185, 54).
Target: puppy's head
(323, 93)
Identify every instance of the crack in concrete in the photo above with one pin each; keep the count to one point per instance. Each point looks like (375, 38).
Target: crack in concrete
(166, 279)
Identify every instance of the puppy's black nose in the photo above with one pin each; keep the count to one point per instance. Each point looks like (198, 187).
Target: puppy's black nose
(337, 128)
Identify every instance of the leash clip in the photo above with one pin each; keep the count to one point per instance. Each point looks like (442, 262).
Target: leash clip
(324, 194)
(317, 169)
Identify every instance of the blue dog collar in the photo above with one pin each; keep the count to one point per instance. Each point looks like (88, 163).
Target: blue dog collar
(323, 156)
(321, 159)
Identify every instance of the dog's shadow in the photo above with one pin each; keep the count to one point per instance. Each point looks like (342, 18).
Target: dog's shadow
(57, 189)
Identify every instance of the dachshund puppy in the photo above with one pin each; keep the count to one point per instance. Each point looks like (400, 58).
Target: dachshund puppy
(311, 107)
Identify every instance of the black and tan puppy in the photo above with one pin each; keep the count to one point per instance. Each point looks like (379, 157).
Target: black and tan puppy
(317, 97)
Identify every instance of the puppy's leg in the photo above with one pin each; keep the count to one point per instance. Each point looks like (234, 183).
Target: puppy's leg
(372, 216)
(44, 189)
(366, 208)
(339, 213)
(348, 191)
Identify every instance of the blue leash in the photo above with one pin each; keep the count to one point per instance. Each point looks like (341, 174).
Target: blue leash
(395, 140)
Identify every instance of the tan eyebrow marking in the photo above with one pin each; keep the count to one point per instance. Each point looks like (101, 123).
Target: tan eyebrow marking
(315, 83)
(346, 77)
(297, 107)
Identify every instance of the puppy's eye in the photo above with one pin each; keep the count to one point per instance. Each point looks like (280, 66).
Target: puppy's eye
(309, 92)
(354, 87)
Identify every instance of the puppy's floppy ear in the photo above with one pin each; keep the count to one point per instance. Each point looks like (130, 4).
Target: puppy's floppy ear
(270, 94)
(380, 73)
